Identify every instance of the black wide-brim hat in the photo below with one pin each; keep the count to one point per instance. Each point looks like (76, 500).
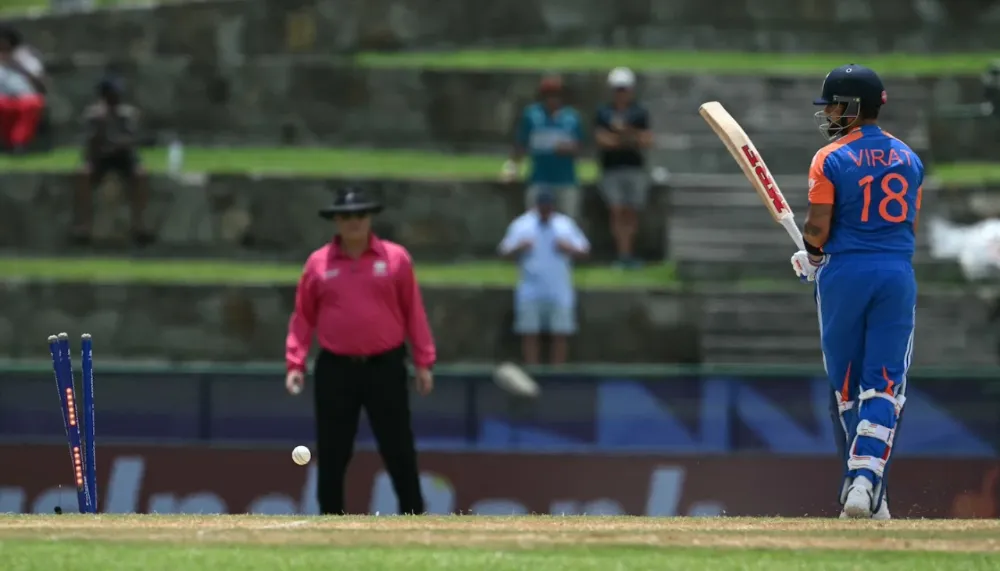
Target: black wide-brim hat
(351, 200)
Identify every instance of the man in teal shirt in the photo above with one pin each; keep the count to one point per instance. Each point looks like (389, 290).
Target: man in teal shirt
(550, 133)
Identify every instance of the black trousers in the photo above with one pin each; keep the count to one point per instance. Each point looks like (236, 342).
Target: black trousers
(344, 385)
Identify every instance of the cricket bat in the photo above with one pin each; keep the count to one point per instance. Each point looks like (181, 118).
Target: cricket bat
(741, 148)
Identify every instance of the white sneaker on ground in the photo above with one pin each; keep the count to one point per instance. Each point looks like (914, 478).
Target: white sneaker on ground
(859, 501)
(883, 510)
(881, 514)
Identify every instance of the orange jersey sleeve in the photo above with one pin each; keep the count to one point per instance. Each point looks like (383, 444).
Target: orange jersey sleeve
(820, 187)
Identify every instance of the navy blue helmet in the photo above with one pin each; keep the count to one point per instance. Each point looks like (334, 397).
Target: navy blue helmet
(856, 91)
(853, 83)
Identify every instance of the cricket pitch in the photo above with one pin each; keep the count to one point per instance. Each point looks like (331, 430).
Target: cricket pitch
(112, 542)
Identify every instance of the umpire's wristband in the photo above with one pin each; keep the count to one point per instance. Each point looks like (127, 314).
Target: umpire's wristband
(813, 250)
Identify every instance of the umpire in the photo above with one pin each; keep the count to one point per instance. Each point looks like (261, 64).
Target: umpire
(359, 296)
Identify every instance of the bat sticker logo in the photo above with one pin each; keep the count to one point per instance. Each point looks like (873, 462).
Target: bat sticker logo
(765, 178)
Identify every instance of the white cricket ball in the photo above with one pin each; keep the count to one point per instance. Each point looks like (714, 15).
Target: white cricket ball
(301, 455)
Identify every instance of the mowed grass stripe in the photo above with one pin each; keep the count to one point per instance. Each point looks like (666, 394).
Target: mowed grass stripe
(424, 543)
(197, 556)
(490, 522)
(383, 164)
(15, 6)
(212, 272)
(894, 64)
(311, 162)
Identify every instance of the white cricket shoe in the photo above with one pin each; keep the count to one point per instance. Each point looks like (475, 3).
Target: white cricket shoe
(859, 502)
(881, 514)
(883, 510)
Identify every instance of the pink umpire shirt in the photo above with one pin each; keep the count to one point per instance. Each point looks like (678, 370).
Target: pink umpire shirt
(360, 307)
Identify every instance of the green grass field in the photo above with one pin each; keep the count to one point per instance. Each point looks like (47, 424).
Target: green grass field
(387, 164)
(730, 63)
(467, 543)
(391, 164)
(967, 173)
(172, 271)
(21, 5)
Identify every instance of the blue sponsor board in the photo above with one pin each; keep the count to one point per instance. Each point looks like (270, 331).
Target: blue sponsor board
(695, 414)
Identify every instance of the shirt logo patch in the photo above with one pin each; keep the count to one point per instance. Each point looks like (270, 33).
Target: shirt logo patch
(331, 274)
(378, 268)
(812, 183)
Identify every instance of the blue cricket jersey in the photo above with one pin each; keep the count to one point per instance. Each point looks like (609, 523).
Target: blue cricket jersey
(874, 182)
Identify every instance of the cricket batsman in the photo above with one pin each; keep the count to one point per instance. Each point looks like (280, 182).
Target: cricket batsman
(864, 198)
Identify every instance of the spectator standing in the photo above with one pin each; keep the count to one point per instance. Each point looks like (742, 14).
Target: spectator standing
(359, 295)
(622, 134)
(544, 242)
(550, 133)
(112, 147)
(22, 92)
(991, 88)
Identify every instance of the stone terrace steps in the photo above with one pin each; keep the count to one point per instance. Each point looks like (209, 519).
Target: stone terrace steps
(784, 104)
(777, 267)
(719, 229)
(274, 217)
(221, 29)
(758, 328)
(706, 154)
(783, 328)
(267, 101)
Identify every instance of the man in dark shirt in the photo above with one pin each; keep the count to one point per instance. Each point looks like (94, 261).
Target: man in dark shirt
(111, 147)
(622, 133)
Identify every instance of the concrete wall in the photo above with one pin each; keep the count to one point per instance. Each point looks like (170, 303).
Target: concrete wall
(285, 100)
(275, 217)
(220, 29)
(231, 323)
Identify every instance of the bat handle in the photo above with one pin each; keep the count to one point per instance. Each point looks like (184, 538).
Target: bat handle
(789, 223)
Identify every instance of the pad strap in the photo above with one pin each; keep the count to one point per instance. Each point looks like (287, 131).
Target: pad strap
(868, 428)
(877, 431)
(842, 405)
(897, 401)
(876, 465)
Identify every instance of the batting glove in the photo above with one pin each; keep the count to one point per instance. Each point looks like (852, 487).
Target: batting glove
(805, 267)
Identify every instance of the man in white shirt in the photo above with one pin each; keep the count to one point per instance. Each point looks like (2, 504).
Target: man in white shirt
(544, 243)
(21, 91)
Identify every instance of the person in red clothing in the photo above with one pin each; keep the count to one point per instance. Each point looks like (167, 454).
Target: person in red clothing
(22, 92)
(359, 296)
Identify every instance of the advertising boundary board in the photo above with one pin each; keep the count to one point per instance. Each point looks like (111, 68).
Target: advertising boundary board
(151, 479)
